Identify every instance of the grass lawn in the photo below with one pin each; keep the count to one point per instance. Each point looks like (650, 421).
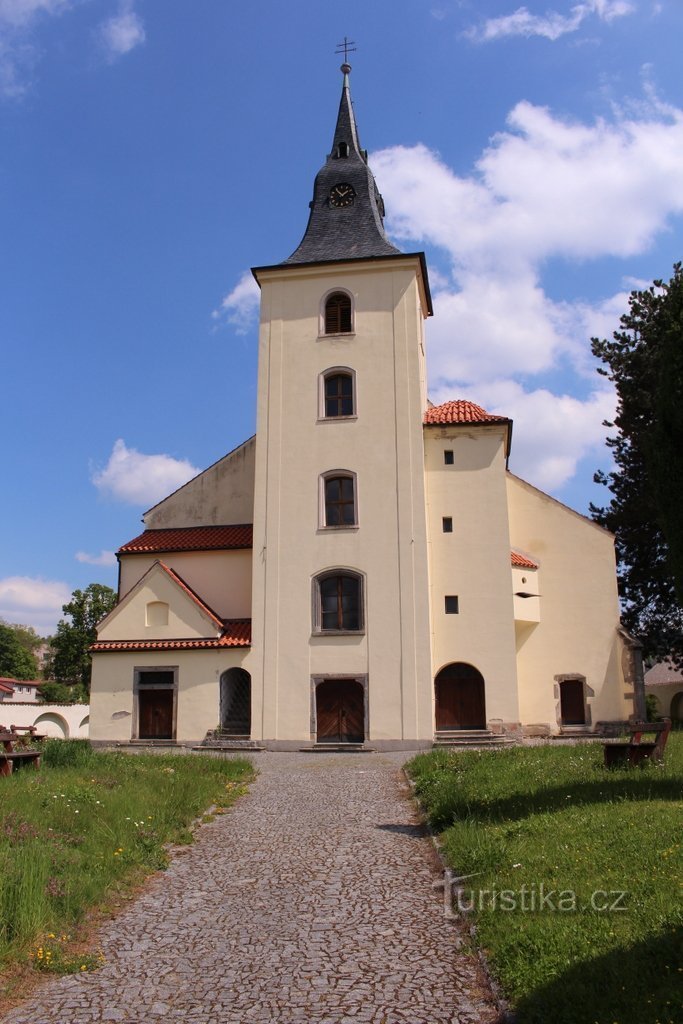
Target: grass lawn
(87, 828)
(552, 838)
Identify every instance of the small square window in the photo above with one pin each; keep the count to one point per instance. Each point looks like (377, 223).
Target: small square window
(451, 602)
(448, 457)
(447, 524)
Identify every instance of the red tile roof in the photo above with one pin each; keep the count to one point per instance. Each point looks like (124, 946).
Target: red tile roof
(7, 685)
(460, 411)
(189, 538)
(236, 633)
(520, 562)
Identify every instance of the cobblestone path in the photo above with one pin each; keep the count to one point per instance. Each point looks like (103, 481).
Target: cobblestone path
(312, 900)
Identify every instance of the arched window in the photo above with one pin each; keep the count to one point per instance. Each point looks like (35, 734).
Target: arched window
(343, 149)
(338, 318)
(338, 602)
(338, 397)
(339, 499)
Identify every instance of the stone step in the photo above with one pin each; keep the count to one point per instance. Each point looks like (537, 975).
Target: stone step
(337, 748)
(233, 743)
(470, 738)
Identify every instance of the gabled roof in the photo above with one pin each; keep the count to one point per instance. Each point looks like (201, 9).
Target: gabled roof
(189, 538)
(236, 633)
(7, 685)
(208, 613)
(460, 411)
(521, 561)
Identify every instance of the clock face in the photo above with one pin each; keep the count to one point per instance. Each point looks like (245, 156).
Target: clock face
(342, 195)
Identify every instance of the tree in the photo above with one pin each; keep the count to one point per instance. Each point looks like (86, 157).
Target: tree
(26, 635)
(70, 661)
(15, 661)
(645, 362)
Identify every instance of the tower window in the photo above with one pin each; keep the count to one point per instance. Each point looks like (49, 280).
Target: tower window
(338, 603)
(338, 319)
(343, 149)
(448, 457)
(339, 500)
(451, 604)
(338, 396)
(447, 524)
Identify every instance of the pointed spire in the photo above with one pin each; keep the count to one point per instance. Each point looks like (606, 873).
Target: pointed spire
(345, 130)
(346, 219)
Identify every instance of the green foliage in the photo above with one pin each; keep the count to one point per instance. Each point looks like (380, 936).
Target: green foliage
(554, 817)
(86, 828)
(26, 635)
(70, 660)
(652, 712)
(15, 661)
(60, 693)
(645, 362)
(68, 753)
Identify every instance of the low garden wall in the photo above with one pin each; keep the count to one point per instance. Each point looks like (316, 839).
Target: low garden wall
(61, 721)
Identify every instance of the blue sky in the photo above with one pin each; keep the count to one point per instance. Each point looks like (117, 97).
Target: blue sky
(152, 152)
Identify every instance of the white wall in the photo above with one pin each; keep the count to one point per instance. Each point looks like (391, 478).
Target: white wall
(62, 721)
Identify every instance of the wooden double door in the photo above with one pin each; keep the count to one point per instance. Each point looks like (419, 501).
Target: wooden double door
(340, 711)
(460, 698)
(155, 712)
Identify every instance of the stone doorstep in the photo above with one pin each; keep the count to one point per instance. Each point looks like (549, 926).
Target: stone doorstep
(337, 748)
(470, 738)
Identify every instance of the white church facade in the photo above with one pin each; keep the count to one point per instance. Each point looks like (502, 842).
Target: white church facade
(365, 570)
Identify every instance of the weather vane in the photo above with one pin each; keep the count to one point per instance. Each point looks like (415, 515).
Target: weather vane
(347, 47)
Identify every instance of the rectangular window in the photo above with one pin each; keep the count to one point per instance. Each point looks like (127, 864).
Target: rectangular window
(448, 457)
(447, 524)
(451, 603)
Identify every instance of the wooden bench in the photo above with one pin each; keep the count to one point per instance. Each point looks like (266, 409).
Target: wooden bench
(11, 758)
(635, 751)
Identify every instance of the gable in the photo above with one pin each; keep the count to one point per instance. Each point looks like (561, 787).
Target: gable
(223, 493)
(159, 607)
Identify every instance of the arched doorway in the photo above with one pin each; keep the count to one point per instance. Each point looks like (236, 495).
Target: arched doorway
(677, 707)
(460, 698)
(235, 702)
(340, 711)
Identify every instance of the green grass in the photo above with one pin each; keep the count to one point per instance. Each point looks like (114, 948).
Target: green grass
(86, 827)
(529, 821)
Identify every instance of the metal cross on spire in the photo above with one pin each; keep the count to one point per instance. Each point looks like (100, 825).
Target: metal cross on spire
(347, 47)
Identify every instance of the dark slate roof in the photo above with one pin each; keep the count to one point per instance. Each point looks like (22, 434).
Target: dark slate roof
(351, 232)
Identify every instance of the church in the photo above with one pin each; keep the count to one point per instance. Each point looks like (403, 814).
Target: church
(365, 571)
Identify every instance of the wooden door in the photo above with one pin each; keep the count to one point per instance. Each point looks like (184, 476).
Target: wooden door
(340, 711)
(460, 698)
(155, 711)
(572, 706)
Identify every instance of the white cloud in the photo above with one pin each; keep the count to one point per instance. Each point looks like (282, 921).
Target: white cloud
(123, 32)
(107, 558)
(240, 306)
(140, 479)
(18, 55)
(552, 433)
(545, 188)
(19, 13)
(33, 602)
(550, 25)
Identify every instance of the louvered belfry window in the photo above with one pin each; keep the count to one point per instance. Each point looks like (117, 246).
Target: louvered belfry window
(338, 314)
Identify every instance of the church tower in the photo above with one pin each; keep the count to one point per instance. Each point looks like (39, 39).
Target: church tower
(340, 611)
